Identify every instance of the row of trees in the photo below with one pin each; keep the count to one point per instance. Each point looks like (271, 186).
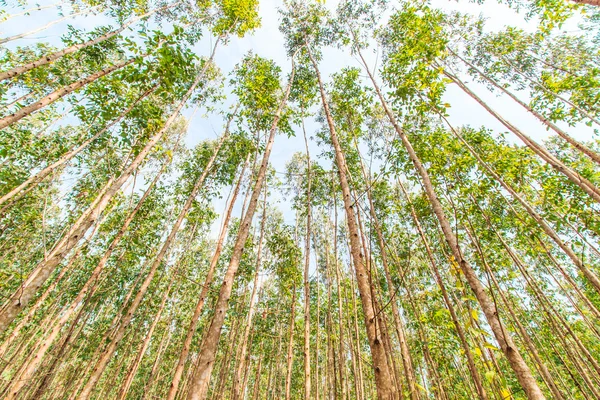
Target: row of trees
(426, 259)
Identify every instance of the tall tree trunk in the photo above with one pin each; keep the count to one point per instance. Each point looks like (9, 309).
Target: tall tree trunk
(241, 367)
(516, 361)
(385, 388)
(290, 348)
(106, 356)
(459, 329)
(142, 350)
(538, 149)
(185, 350)
(48, 58)
(306, 275)
(201, 376)
(48, 25)
(400, 332)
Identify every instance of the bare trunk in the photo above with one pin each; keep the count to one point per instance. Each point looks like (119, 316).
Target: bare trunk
(459, 329)
(405, 351)
(48, 25)
(185, 350)
(306, 276)
(385, 388)
(237, 390)
(140, 354)
(516, 361)
(201, 377)
(290, 348)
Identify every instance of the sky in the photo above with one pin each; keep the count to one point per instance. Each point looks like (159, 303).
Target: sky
(268, 42)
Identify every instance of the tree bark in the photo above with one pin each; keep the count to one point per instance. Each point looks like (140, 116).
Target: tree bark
(185, 350)
(385, 388)
(201, 376)
(516, 361)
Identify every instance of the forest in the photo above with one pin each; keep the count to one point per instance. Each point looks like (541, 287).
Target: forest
(300, 199)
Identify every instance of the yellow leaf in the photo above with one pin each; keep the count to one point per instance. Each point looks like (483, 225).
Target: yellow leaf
(505, 394)
(421, 387)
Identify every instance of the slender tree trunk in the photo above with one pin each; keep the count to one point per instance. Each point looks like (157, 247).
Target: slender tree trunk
(142, 350)
(516, 361)
(103, 361)
(538, 149)
(201, 377)
(459, 329)
(60, 93)
(385, 388)
(28, 11)
(237, 390)
(306, 275)
(290, 348)
(185, 350)
(588, 2)
(48, 58)
(548, 378)
(16, 193)
(48, 25)
(405, 351)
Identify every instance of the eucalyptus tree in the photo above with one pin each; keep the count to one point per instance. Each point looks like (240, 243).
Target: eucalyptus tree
(155, 132)
(269, 106)
(405, 74)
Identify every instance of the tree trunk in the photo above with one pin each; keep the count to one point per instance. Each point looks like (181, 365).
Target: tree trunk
(237, 390)
(290, 348)
(60, 93)
(459, 330)
(48, 58)
(201, 377)
(516, 361)
(103, 361)
(405, 351)
(140, 354)
(48, 25)
(306, 276)
(385, 388)
(185, 350)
